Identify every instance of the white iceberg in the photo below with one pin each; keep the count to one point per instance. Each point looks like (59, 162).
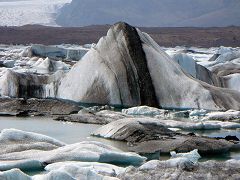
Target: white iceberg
(48, 51)
(196, 112)
(192, 156)
(135, 71)
(153, 164)
(224, 116)
(187, 63)
(47, 66)
(33, 147)
(15, 135)
(58, 52)
(186, 161)
(53, 175)
(143, 110)
(86, 170)
(18, 141)
(233, 81)
(188, 125)
(28, 85)
(14, 174)
(182, 160)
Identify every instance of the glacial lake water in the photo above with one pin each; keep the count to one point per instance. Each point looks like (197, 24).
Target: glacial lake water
(76, 132)
(67, 132)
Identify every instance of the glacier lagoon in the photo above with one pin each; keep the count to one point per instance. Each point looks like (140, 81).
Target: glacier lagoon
(180, 78)
(69, 132)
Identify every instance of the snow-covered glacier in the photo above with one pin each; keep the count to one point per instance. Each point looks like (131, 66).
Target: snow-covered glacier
(22, 12)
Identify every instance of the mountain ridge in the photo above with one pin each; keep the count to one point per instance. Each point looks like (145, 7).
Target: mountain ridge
(164, 13)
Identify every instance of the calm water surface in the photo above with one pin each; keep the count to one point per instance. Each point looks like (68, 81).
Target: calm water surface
(64, 131)
(76, 132)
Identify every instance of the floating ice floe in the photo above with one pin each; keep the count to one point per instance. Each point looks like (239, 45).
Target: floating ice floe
(49, 66)
(188, 125)
(177, 168)
(92, 117)
(33, 148)
(192, 156)
(28, 85)
(224, 125)
(58, 52)
(143, 110)
(196, 112)
(150, 135)
(221, 70)
(86, 170)
(15, 174)
(69, 171)
(182, 160)
(13, 140)
(36, 107)
(125, 129)
(224, 116)
(227, 54)
(90, 151)
(200, 124)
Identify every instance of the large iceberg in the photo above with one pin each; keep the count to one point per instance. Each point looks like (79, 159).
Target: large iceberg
(128, 68)
(134, 71)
